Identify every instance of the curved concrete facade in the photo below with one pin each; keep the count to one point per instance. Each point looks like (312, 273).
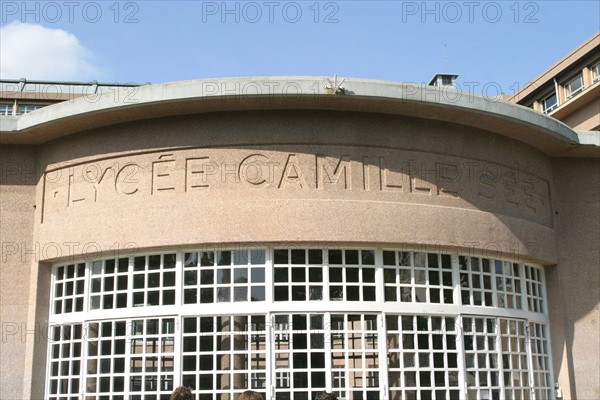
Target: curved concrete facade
(281, 161)
(235, 176)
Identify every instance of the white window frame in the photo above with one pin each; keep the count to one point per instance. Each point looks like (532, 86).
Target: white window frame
(528, 291)
(543, 102)
(6, 109)
(27, 108)
(569, 93)
(595, 72)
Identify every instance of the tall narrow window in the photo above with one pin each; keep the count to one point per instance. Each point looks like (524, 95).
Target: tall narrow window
(595, 72)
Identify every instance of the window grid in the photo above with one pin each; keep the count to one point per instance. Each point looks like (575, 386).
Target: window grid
(351, 275)
(65, 367)
(24, 109)
(224, 276)
(69, 288)
(106, 359)
(6, 109)
(418, 277)
(299, 355)
(508, 285)
(355, 355)
(480, 344)
(130, 359)
(109, 284)
(154, 280)
(422, 357)
(476, 279)
(534, 287)
(143, 372)
(540, 358)
(224, 355)
(513, 340)
(298, 274)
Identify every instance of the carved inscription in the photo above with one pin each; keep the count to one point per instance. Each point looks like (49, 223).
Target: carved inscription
(390, 175)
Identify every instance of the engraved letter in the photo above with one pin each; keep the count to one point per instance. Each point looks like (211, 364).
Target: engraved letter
(251, 171)
(323, 172)
(193, 167)
(125, 183)
(384, 179)
(292, 173)
(161, 174)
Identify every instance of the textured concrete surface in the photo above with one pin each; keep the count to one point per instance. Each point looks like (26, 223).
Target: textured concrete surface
(299, 174)
(18, 177)
(574, 290)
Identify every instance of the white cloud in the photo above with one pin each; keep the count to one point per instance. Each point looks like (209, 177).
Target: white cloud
(34, 52)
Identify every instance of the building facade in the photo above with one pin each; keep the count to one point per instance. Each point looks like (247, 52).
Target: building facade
(379, 240)
(570, 89)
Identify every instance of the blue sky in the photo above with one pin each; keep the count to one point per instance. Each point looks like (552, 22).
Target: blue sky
(502, 44)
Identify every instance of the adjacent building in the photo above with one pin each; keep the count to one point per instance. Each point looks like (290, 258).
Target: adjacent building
(570, 89)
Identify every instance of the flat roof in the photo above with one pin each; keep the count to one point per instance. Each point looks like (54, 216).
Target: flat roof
(444, 103)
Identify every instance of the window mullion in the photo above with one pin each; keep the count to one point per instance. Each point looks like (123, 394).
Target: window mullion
(269, 281)
(269, 356)
(328, 352)
(532, 371)
(456, 296)
(501, 359)
(460, 360)
(522, 293)
(177, 350)
(383, 351)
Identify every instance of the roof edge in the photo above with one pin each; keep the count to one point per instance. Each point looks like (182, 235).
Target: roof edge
(248, 93)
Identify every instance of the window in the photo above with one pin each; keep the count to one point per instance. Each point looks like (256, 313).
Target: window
(417, 277)
(549, 103)
(69, 281)
(356, 322)
(481, 350)
(481, 278)
(423, 357)
(109, 284)
(534, 285)
(223, 353)
(595, 72)
(6, 109)
(574, 86)
(153, 280)
(65, 355)
(224, 276)
(27, 108)
(299, 275)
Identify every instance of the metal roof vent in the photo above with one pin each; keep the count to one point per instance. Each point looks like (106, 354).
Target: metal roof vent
(443, 79)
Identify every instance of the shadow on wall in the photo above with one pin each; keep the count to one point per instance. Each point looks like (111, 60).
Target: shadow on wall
(575, 281)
